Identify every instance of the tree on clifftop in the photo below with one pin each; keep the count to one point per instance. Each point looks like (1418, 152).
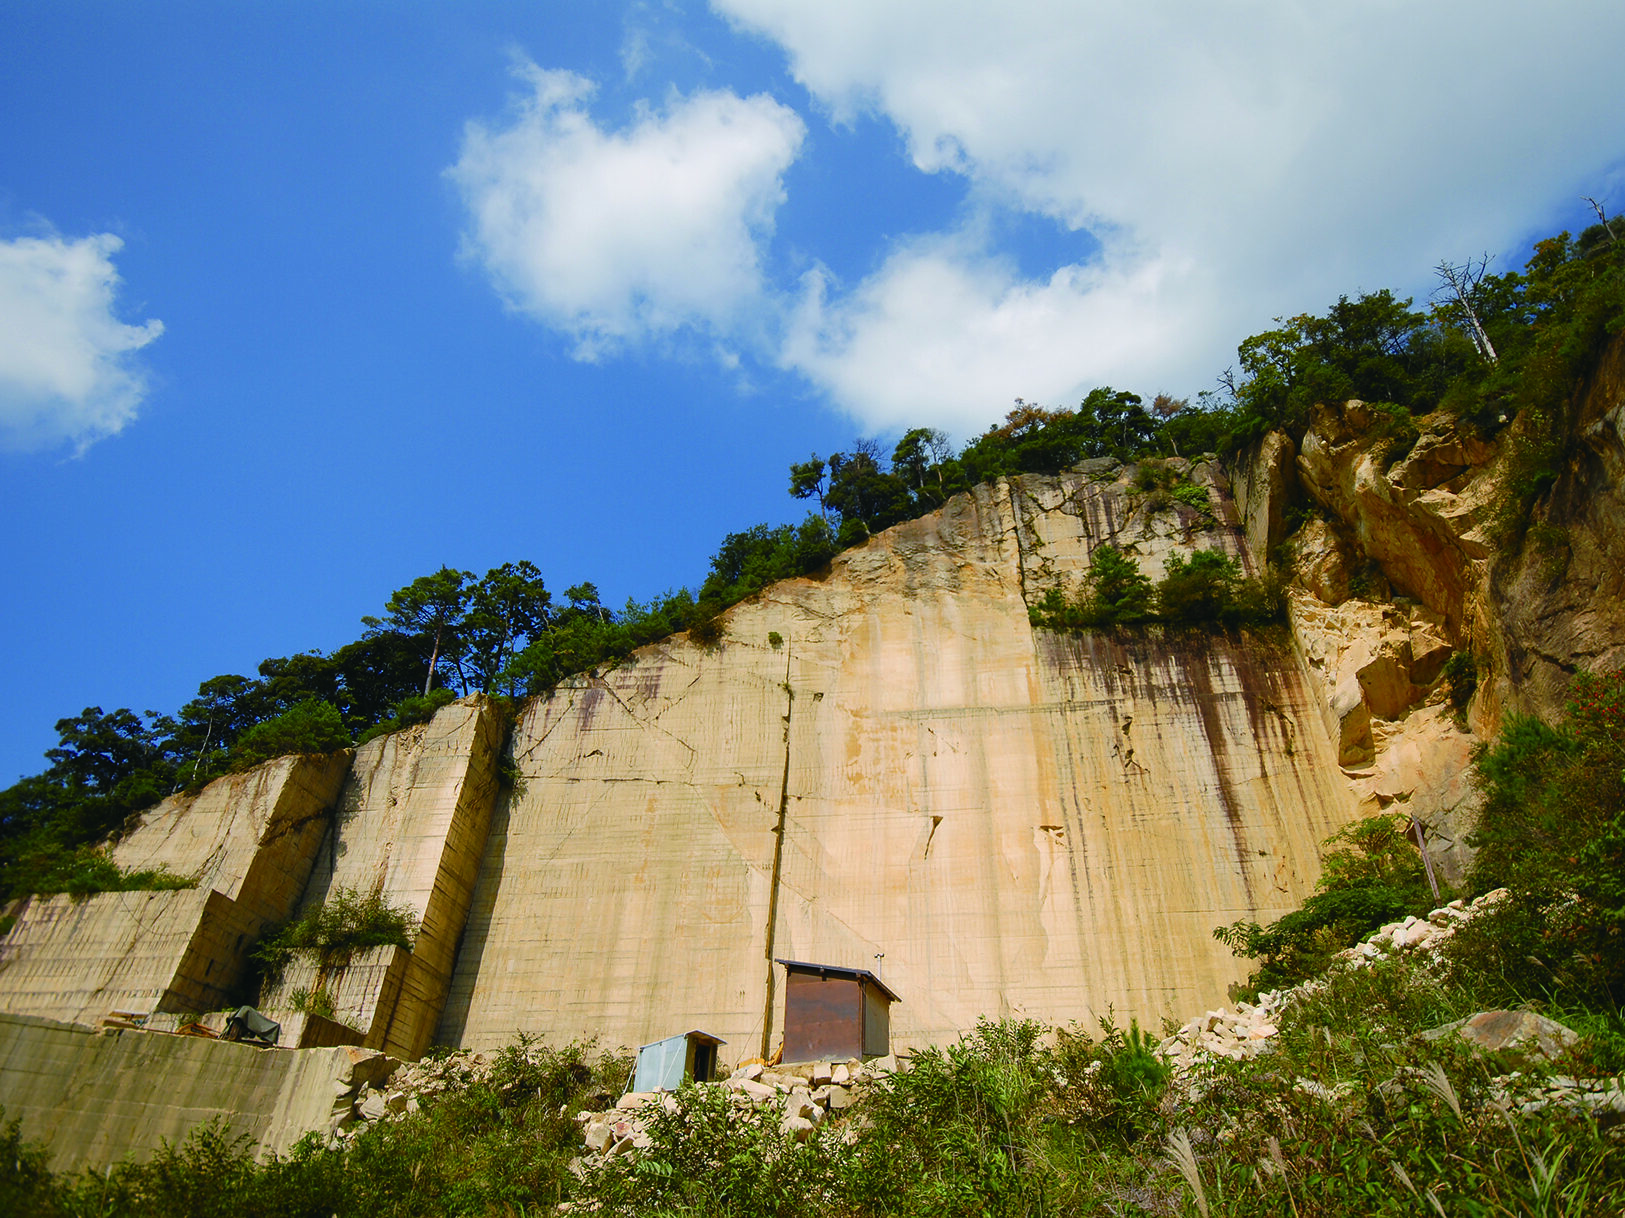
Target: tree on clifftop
(431, 606)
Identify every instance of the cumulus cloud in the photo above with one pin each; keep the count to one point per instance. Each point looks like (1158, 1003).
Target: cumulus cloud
(1235, 163)
(944, 332)
(66, 369)
(618, 236)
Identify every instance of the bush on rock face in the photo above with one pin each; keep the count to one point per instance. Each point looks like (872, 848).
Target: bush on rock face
(310, 727)
(1375, 877)
(1552, 830)
(346, 922)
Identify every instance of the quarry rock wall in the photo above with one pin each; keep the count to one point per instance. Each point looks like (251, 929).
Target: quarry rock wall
(248, 839)
(94, 1097)
(890, 768)
(886, 767)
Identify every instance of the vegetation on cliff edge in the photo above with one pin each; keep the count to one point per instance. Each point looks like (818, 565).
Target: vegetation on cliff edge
(1505, 353)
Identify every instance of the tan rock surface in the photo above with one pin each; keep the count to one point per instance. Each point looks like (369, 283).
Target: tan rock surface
(411, 826)
(249, 839)
(1021, 823)
(93, 1098)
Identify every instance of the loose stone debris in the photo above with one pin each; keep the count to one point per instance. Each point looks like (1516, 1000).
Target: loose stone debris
(803, 1095)
(1249, 1030)
(806, 1096)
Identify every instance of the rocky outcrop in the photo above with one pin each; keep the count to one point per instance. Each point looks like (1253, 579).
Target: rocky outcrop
(1403, 558)
(1535, 601)
(1556, 603)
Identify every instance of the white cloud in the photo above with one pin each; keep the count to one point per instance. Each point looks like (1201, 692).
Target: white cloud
(943, 333)
(615, 237)
(1235, 161)
(66, 372)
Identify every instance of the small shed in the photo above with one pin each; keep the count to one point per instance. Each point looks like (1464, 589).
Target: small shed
(664, 1064)
(833, 1013)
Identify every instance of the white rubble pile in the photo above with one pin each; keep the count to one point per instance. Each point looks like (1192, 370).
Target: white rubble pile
(1531, 1093)
(1250, 1029)
(804, 1096)
(401, 1093)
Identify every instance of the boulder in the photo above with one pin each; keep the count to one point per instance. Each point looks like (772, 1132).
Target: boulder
(1522, 1032)
(372, 1105)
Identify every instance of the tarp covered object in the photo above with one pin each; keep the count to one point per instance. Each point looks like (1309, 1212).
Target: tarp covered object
(247, 1022)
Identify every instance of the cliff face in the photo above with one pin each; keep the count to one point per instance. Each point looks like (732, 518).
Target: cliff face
(886, 768)
(1403, 562)
(910, 779)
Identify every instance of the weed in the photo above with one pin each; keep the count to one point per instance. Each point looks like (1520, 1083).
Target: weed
(346, 922)
(315, 1001)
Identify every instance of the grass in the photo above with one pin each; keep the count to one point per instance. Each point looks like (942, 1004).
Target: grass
(86, 871)
(1352, 1113)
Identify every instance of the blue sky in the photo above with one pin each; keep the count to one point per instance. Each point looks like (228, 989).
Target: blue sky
(301, 301)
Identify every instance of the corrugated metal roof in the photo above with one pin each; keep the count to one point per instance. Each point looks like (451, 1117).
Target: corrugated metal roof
(836, 970)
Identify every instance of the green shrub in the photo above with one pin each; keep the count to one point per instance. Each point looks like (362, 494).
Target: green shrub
(315, 1001)
(1206, 589)
(344, 923)
(1375, 878)
(1152, 475)
(1194, 496)
(1110, 1087)
(961, 1132)
(310, 727)
(1460, 672)
(419, 708)
(1552, 830)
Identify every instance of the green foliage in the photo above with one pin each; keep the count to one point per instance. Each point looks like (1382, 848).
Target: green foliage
(309, 727)
(1111, 1087)
(1193, 496)
(419, 708)
(1116, 593)
(1374, 877)
(500, 1144)
(1552, 830)
(1207, 590)
(711, 1156)
(747, 562)
(1460, 672)
(315, 1001)
(1374, 347)
(330, 931)
(961, 1132)
(26, 1184)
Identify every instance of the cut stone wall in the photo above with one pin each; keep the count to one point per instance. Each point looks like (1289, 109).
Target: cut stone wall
(78, 960)
(249, 839)
(94, 1097)
(914, 780)
(411, 826)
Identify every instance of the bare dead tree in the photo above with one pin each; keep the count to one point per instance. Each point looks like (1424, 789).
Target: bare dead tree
(1462, 282)
(1603, 216)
